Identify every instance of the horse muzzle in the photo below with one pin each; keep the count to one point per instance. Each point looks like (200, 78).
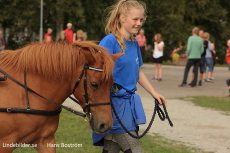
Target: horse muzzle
(99, 127)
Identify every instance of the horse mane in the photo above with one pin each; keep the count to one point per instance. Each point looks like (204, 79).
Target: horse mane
(54, 61)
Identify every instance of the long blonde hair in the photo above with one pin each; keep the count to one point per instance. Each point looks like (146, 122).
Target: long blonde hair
(113, 24)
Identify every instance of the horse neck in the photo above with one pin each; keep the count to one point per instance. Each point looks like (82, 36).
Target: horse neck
(55, 90)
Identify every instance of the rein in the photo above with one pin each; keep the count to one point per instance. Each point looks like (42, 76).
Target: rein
(34, 111)
(162, 115)
(86, 109)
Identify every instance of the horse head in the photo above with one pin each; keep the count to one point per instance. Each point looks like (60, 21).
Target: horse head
(95, 86)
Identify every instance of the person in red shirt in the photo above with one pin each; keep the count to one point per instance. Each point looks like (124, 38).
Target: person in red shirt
(142, 43)
(47, 40)
(69, 33)
(48, 34)
(228, 62)
(228, 54)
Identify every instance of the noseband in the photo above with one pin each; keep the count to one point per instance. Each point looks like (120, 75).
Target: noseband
(86, 108)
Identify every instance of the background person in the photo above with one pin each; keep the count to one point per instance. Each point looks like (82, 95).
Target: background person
(175, 56)
(201, 33)
(62, 36)
(202, 59)
(2, 42)
(214, 58)
(126, 75)
(208, 58)
(47, 40)
(228, 84)
(84, 36)
(228, 54)
(49, 33)
(158, 57)
(69, 33)
(194, 51)
(79, 36)
(142, 43)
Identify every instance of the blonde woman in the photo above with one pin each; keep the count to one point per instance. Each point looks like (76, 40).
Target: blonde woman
(158, 57)
(124, 21)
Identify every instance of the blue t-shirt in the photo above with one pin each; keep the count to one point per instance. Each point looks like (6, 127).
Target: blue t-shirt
(126, 71)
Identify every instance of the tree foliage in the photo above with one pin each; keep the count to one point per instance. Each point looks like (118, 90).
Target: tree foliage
(174, 19)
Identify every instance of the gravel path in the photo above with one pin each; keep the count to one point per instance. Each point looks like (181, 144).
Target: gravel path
(198, 127)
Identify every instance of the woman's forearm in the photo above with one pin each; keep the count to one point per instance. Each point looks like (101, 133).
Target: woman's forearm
(143, 81)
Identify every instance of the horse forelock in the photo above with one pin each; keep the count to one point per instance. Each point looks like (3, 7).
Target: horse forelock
(57, 60)
(95, 49)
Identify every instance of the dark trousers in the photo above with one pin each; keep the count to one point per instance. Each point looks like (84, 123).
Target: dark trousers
(195, 63)
(228, 82)
(143, 53)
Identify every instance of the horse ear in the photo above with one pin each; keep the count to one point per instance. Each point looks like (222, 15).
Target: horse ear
(88, 56)
(116, 56)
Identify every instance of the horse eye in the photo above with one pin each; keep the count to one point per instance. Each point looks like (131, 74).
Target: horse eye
(95, 85)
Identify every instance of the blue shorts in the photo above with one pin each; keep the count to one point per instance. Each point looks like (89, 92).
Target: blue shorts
(208, 63)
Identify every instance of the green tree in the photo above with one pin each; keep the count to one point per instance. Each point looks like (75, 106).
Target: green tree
(174, 19)
(94, 12)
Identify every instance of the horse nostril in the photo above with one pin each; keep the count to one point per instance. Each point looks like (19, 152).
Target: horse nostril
(103, 128)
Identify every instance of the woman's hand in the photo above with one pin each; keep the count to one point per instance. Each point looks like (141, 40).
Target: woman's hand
(159, 98)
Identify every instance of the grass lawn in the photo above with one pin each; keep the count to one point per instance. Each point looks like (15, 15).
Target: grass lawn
(73, 129)
(217, 103)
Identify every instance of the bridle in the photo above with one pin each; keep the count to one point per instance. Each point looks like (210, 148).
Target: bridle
(28, 110)
(87, 106)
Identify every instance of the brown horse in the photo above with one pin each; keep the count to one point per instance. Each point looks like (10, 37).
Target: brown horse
(51, 70)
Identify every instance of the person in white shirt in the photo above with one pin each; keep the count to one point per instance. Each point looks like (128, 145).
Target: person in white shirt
(158, 57)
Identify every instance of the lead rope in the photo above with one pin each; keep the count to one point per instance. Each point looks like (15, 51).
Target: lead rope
(157, 109)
